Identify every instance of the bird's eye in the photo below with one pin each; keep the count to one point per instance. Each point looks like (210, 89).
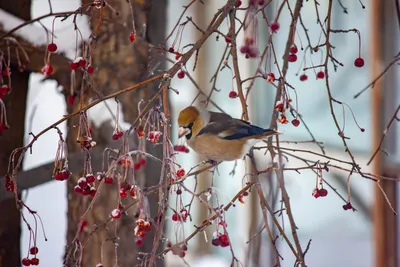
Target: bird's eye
(190, 125)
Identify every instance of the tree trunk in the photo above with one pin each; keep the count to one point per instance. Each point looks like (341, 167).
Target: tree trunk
(118, 64)
(10, 221)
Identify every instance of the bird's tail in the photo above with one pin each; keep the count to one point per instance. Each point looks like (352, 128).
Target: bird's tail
(271, 132)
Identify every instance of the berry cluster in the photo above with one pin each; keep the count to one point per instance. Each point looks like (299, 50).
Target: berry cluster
(153, 136)
(127, 188)
(319, 192)
(180, 217)
(85, 186)
(31, 261)
(62, 175)
(220, 239)
(176, 250)
(80, 62)
(142, 227)
(181, 148)
(9, 184)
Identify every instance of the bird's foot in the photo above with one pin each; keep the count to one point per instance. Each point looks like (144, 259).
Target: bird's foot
(210, 161)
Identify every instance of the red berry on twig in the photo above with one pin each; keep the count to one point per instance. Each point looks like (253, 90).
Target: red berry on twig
(320, 75)
(52, 47)
(233, 94)
(274, 27)
(359, 62)
(292, 58)
(303, 77)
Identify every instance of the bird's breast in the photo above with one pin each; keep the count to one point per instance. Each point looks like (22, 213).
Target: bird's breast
(218, 149)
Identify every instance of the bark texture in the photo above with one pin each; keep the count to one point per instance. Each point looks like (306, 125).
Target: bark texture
(118, 64)
(10, 221)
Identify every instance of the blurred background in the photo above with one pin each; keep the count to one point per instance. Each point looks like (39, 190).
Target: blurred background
(339, 238)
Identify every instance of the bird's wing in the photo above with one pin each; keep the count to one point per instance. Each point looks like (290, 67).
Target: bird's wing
(218, 116)
(232, 129)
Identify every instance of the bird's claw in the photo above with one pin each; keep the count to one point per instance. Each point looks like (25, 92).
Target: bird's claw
(210, 161)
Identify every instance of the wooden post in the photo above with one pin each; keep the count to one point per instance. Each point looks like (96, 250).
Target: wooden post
(385, 223)
(119, 64)
(10, 221)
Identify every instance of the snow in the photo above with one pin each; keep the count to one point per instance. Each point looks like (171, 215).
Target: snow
(32, 32)
(36, 34)
(103, 115)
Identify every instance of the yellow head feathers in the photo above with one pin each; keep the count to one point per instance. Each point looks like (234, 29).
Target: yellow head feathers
(188, 115)
(191, 120)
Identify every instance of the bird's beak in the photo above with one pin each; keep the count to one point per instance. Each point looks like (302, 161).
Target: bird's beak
(183, 131)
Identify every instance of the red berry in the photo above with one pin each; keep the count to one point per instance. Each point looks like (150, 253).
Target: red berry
(139, 242)
(359, 62)
(74, 66)
(132, 37)
(90, 178)
(347, 206)
(92, 191)
(65, 174)
(362, 129)
(303, 77)
(293, 49)
(295, 122)
(90, 69)
(224, 240)
(274, 26)
(77, 189)
(71, 100)
(292, 58)
(52, 47)
(82, 63)
(34, 250)
(142, 162)
(181, 74)
(316, 193)
(47, 69)
(175, 217)
(228, 39)
(132, 191)
(244, 49)
(117, 135)
(320, 75)
(180, 173)
(108, 180)
(3, 127)
(233, 94)
(82, 182)
(179, 191)
(238, 3)
(182, 254)
(181, 148)
(6, 72)
(123, 193)
(4, 89)
(171, 49)
(270, 77)
(216, 242)
(26, 262)
(35, 261)
(116, 214)
(323, 192)
(178, 55)
(136, 166)
(261, 2)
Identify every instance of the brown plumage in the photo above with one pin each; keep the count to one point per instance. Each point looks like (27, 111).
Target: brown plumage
(218, 136)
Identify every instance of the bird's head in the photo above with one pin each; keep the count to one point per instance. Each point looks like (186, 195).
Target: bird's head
(190, 122)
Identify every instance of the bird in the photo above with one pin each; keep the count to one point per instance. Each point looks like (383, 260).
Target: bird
(218, 136)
